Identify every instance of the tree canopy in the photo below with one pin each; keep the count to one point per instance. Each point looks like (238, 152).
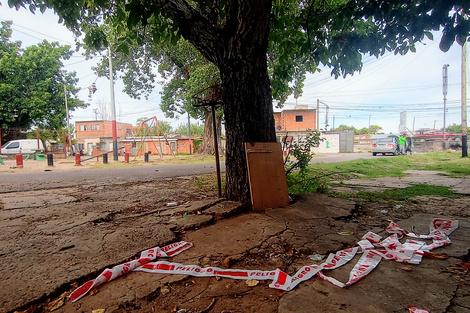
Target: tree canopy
(236, 35)
(32, 84)
(373, 129)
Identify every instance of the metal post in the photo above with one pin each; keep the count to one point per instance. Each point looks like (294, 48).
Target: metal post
(78, 159)
(464, 101)
(113, 108)
(68, 117)
(65, 146)
(318, 114)
(189, 130)
(216, 146)
(37, 138)
(444, 92)
(50, 159)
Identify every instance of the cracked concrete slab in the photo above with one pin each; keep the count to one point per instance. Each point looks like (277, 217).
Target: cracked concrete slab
(389, 287)
(33, 199)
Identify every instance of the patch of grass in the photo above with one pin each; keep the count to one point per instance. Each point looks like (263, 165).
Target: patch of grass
(307, 181)
(450, 162)
(402, 194)
(209, 182)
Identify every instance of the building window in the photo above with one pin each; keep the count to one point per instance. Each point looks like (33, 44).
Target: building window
(95, 127)
(299, 118)
(83, 127)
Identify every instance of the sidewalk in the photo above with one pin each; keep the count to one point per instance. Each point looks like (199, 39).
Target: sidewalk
(284, 238)
(61, 238)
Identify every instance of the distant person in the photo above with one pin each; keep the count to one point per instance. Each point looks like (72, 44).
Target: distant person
(123, 151)
(409, 145)
(401, 144)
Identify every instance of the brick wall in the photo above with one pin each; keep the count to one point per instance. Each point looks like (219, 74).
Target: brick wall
(87, 129)
(298, 120)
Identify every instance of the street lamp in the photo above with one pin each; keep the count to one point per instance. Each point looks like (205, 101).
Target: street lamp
(444, 92)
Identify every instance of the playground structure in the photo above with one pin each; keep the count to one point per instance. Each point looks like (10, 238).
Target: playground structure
(145, 132)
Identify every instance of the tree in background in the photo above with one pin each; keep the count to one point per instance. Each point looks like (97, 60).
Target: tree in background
(373, 129)
(343, 127)
(184, 70)
(32, 84)
(235, 36)
(197, 130)
(454, 128)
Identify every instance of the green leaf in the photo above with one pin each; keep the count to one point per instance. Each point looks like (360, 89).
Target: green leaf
(446, 41)
(133, 20)
(429, 35)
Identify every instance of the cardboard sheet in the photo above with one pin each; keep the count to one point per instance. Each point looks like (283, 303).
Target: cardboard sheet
(268, 185)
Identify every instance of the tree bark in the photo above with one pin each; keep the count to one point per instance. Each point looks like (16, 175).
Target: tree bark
(238, 49)
(246, 91)
(207, 146)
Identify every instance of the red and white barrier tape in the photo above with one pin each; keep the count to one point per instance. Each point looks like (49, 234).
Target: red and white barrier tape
(119, 270)
(412, 309)
(371, 246)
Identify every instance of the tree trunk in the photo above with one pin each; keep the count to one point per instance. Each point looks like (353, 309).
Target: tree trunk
(207, 146)
(246, 94)
(238, 48)
(248, 118)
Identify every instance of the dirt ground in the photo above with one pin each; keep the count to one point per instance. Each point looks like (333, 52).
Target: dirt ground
(56, 239)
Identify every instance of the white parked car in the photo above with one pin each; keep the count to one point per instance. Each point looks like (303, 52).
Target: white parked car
(24, 146)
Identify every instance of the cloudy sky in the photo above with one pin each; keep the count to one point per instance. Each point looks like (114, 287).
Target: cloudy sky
(377, 95)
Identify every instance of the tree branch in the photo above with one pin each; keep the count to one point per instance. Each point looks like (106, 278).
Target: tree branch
(195, 28)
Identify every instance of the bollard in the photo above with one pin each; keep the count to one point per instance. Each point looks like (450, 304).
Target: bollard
(126, 157)
(78, 159)
(50, 160)
(19, 160)
(146, 157)
(105, 158)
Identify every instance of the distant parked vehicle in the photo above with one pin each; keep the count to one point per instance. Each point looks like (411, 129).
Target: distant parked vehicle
(385, 145)
(23, 146)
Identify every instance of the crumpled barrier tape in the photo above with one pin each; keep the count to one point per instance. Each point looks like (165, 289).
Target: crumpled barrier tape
(371, 246)
(119, 270)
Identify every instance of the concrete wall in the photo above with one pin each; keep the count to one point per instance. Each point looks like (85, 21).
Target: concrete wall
(330, 144)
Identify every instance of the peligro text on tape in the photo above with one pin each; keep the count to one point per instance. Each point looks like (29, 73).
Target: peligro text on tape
(372, 247)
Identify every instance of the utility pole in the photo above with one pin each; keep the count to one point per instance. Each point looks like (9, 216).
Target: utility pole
(464, 101)
(318, 114)
(444, 92)
(113, 108)
(68, 117)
